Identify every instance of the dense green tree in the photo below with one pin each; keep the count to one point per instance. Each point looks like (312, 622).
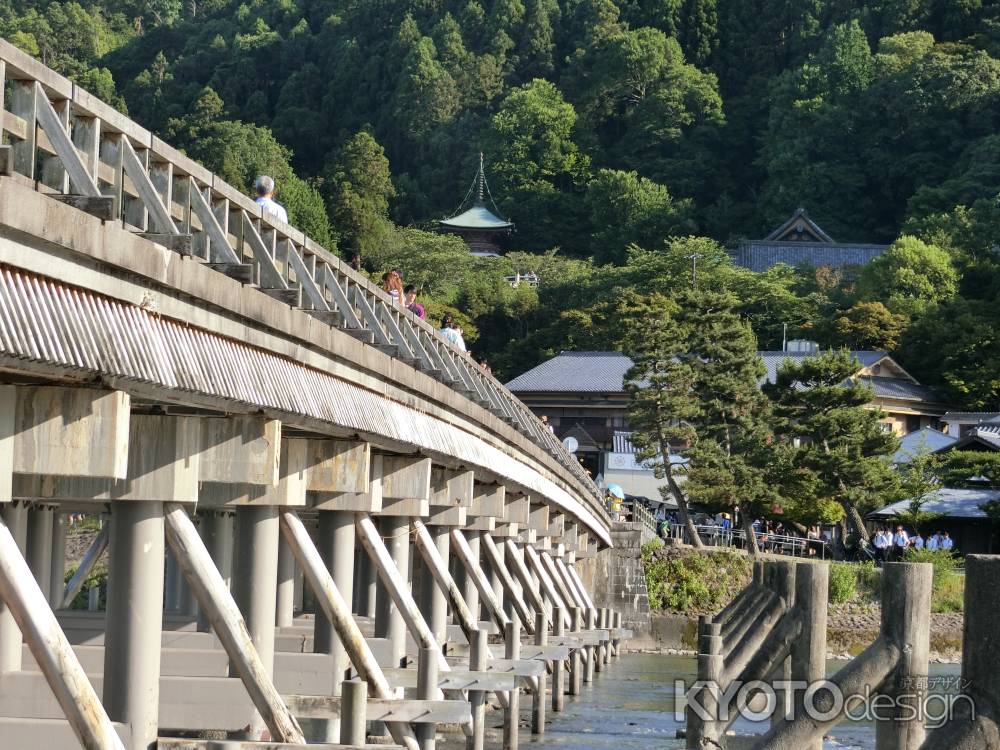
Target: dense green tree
(358, 188)
(832, 436)
(909, 276)
(868, 325)
(956, 346)
(628, 209)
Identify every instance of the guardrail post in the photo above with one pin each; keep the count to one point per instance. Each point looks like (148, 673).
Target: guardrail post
(538, 698)
(477, 698)
(558, 671)
(353, 709)
(512, 714)
(906, 621)
(808, 657)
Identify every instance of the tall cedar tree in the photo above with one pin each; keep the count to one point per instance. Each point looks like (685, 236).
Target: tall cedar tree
(659, 386)
(830, 433)
(730, 456)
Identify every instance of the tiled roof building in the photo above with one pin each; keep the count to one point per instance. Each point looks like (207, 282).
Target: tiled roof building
(800, 241)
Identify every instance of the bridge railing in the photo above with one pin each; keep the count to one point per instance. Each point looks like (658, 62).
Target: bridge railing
(78, 149)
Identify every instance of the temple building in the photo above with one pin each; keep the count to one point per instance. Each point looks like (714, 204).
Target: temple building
(481, 228)
(801, 242)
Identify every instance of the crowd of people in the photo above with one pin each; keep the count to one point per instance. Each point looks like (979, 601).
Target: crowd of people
(890, 546)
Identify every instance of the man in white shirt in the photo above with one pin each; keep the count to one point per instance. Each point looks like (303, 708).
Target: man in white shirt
(882, 542)
(900, 542)
(265, 198)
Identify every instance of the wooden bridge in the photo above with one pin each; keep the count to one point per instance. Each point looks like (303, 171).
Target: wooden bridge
(265, 432)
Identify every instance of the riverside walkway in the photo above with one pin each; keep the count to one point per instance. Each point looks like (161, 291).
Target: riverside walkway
(253, 418)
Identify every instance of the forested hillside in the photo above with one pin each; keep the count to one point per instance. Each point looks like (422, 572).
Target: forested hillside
(621, 136)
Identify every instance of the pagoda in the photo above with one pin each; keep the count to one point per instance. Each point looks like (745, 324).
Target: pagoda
(477, 225)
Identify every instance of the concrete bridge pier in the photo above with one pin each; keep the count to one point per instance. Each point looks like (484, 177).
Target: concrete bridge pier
(57, 567)
(40, 519)
(255, 583)
(389, 624)
(285, 597)
(337, 541)
(217, 530)
(135, 619)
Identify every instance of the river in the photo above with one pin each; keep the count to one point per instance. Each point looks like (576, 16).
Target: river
(630, 706)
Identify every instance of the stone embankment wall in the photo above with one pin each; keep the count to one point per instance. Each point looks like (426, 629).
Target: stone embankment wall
(617, 579)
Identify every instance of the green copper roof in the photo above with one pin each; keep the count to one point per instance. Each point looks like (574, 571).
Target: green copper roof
(477, 217)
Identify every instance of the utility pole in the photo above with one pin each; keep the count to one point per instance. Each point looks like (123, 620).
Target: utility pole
(694, 268)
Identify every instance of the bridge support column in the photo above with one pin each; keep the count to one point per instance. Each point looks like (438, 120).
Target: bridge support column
(57, 567)
(40, 519)
(217, 534)
(135, 619)
(575, 666)
(434, 596)
(389, 623)
(255, 582)
(539, 697)
(469, 591)
(337, 542)
(558, 672)
(285, 608)
(512, 714)
(15, 517)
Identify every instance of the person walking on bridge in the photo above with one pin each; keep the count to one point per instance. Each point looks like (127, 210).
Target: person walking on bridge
(265, 198)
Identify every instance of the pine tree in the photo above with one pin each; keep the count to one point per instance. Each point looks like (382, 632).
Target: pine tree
(831, 436)
(659, 386)
(731, 455)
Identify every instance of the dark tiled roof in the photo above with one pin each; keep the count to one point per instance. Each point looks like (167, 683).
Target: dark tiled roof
(971, 417)
(575, 372)
(773, 360)
(760, 255)
(902, 389)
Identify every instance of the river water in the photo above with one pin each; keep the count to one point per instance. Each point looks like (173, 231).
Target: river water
(630, 706)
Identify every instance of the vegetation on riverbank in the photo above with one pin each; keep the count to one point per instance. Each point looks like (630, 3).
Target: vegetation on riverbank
(692, 582)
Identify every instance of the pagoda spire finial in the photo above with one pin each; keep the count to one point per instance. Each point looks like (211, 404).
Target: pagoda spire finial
(480, 180)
